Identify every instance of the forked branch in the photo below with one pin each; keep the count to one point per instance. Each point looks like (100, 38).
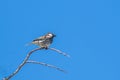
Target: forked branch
(35, 62)
(21, 65)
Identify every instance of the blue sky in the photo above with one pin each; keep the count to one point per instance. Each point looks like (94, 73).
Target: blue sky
(88, 30)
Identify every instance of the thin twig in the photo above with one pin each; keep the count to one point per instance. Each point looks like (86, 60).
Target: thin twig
(22, 64)
(44, 64)
(65, 54)
(26, 61)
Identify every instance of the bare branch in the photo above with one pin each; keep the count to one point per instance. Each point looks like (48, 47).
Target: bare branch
(65, 54)
(22, 64)
(44, 64)
(4, 79)
(26, 61)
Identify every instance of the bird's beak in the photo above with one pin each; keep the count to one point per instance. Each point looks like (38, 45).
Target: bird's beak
(54, 35)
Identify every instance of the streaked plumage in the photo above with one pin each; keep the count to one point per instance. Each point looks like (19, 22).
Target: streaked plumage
(44, 41)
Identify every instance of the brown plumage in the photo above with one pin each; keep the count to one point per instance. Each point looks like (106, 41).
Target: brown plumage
(44, 41)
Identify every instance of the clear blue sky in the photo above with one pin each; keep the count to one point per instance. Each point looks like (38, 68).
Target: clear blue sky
(88, 30)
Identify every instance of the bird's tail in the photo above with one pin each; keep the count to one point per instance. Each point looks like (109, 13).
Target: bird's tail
(29, 44)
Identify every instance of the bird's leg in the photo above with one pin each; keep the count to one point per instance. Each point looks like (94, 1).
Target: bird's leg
(46, 47)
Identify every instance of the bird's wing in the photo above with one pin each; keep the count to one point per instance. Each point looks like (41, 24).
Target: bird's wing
(42, 38)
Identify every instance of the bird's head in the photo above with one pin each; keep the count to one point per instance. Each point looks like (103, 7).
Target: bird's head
(50, 35)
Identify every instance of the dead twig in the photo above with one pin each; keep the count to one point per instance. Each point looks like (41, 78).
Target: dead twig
(21, 65)
(44, 64)
(35, 62)
(65, 54)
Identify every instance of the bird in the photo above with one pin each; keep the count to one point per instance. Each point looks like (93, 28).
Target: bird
(44, 41)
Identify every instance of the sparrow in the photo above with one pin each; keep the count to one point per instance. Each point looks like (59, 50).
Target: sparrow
(44, 41)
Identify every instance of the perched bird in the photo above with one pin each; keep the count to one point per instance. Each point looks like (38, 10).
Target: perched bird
(44, 41)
